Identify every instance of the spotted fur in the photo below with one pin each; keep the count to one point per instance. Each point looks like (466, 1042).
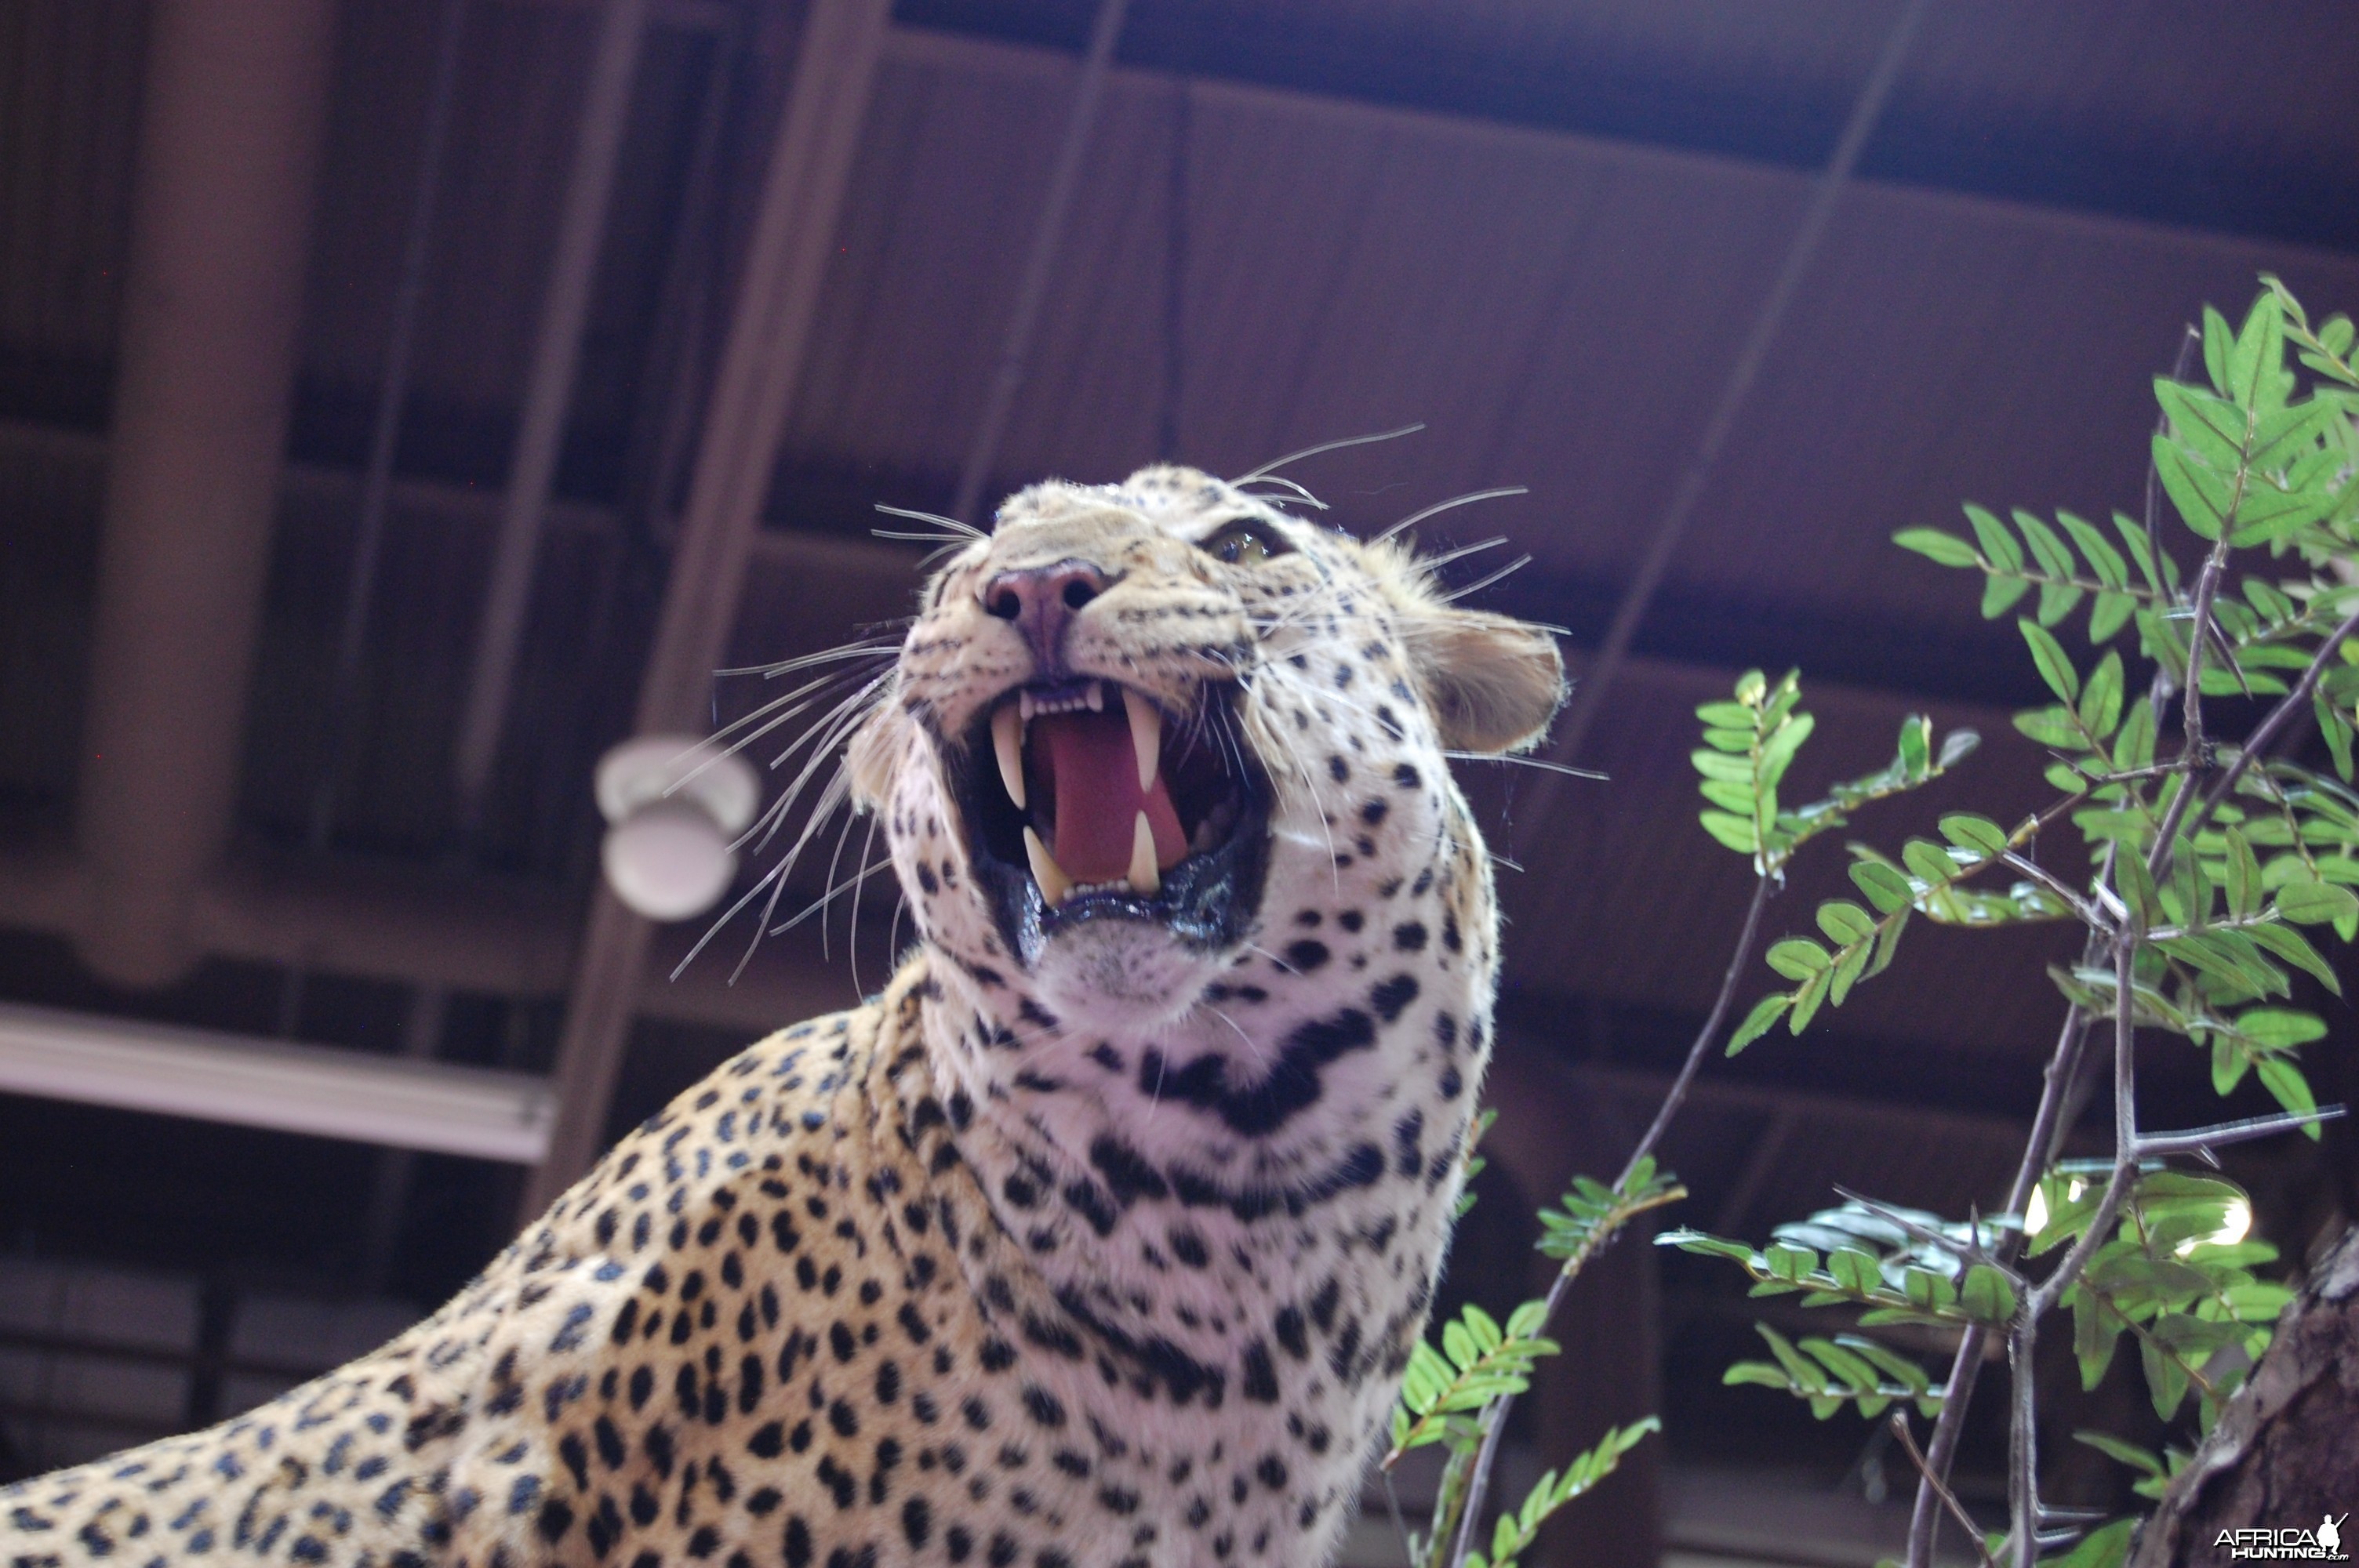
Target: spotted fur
(1109, 1258)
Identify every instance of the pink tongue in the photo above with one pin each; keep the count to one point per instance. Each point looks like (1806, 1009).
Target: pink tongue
(1094, 770)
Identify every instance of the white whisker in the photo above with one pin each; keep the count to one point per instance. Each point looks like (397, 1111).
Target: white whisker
(1269, 468)
(1414, 518)
(1541, 763)
(967, 530)
(1518, 564)
(1300, 493)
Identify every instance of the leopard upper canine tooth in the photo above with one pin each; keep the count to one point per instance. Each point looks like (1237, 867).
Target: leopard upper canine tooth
(1055, 885)
(1144, 877)
(1007, 744)
(1145, 737)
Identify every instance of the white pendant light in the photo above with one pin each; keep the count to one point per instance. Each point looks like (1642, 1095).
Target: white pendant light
(674, 803)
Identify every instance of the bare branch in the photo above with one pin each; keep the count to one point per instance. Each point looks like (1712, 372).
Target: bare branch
(1940, 1489)
(2283, 714)
(2219, 1135)
(1494, 1415)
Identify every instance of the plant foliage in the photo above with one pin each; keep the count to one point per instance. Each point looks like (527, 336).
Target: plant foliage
(2201, 872)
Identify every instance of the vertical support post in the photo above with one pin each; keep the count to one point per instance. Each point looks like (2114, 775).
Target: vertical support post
(233, 122)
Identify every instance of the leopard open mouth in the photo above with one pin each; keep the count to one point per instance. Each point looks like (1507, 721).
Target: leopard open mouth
(1086, 800)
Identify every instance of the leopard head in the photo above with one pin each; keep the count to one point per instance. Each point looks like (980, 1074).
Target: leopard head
(1131, 726)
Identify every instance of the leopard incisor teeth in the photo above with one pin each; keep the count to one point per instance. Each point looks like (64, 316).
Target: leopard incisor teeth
(1144, 877)
(1007, 743)
(1146, 736)
(1095, 694)
(1054, 883)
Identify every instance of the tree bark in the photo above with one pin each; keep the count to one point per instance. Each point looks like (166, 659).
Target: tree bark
(2282, 1454)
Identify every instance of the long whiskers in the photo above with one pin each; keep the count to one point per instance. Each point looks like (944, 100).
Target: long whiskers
(1298, 492)
(1439, 507)
(963, 530)
(1269, 468)
(1479, 584)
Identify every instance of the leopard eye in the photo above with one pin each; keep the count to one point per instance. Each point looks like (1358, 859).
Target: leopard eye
(1242, 543)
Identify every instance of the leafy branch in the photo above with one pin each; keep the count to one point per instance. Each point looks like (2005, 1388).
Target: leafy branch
(2209, 865)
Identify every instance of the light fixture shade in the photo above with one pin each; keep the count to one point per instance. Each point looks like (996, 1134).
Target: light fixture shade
(674, 803)
(668, 861)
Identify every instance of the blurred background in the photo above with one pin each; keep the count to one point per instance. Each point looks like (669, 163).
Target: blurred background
(404, 402)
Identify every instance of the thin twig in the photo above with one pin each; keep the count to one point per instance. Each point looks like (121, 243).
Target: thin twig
(1949, 1499)
(2219, 1135)
(1400, 1526)
(1495, 1416)
(2292, 703)
(2191, 743)
(1965, 1251)
(2091, 914)
(2048, 1126)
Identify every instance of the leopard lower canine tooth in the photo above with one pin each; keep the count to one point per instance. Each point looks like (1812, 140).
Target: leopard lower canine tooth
(1007, 745)
(1146, 736)
(1144, 877)
(1055, 885)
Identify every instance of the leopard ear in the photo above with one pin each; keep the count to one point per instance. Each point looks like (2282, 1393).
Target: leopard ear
(1492, 682)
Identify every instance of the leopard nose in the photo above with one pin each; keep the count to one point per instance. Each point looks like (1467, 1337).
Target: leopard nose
(1042, 601)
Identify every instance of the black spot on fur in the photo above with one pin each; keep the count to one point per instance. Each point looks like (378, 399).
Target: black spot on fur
(1258, 1379)
(1391, 996)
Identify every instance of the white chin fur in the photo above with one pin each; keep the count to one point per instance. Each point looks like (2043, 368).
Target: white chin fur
(1120, 975)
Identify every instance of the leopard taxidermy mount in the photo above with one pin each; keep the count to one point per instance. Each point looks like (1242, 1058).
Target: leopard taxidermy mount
(1100, 1238)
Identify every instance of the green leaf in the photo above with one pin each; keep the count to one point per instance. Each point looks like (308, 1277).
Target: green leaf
(2057, 727)
(2219, 344)
(2212, 428)
(2104, 1548)
(1885, 887)
(1986, 1294)
(1806, 1000)
(1928, 862)
(2095, 1337)
(1844, 922)
(1986, 838)
(1737, 798)
(2284, 1080)
(2100, 699)
(2244, 892)
(2199, 494)
(2260, 351)
(1766, 1014)
(2055, 665)
(1999, 594)
(2103, 560)
(2128, 1454)
(1722, 767)
(1798, 957)
(2228, 1063)
(2137, 887)
(1947, 549)
(2295, 949)
(2336, 728)
(2049, 551)
(2111, 613)
(1998, 545)
(2134, 747)
(2279, 1028)
(1736, 832)
(2315, 903)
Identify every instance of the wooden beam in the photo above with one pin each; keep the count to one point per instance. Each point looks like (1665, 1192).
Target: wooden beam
(794, 228)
